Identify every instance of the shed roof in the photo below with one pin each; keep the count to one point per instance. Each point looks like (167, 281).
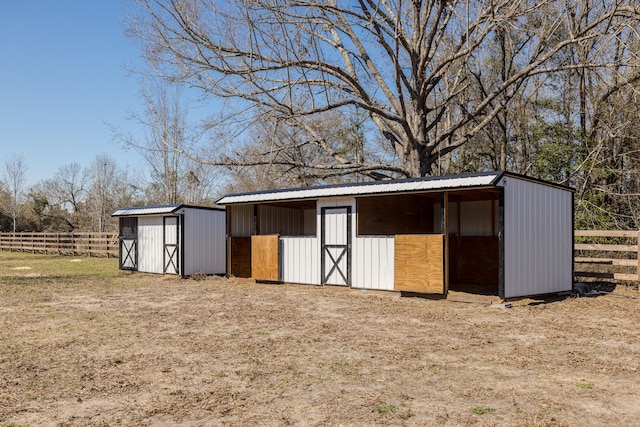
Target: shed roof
(432, 183)
(485, 179)
(156, 210)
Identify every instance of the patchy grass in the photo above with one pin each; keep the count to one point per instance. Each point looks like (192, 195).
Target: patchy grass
(26, 268)
(387, 409)
(86, 345)
(481, 410)
(37, 278)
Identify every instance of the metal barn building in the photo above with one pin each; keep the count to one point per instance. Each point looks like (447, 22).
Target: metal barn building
(492, 233)
(172, 239)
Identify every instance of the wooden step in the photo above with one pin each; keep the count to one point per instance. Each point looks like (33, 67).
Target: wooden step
(610, 261)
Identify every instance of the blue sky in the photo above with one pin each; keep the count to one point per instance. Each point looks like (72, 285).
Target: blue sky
(63, 74)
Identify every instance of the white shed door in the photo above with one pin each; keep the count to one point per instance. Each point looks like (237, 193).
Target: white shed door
(171, 245)
(336, 245)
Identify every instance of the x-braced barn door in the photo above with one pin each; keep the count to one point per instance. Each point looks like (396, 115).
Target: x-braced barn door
(128, 243)
(336, 245)
(171, 237)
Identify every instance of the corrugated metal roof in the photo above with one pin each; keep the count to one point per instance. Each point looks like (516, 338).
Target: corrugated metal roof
(161, 209)
(146, 210)
(368, 188)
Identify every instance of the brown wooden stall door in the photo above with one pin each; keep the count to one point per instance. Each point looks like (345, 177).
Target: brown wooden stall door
(264, 257)
(419, 263)
(240, 259)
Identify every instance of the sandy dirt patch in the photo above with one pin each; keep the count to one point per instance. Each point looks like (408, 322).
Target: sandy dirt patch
(147, 350)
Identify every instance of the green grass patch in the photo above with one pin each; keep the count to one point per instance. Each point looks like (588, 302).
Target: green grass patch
(38, 278)
(38, 265)
(387, 409)
(584, 384)
(481, 410)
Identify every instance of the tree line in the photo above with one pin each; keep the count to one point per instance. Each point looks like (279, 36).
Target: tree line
(304, 92)
(82, 198)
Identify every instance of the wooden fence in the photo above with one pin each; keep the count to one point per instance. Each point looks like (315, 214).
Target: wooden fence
(91, 244)
(595, 250)
(613, 251)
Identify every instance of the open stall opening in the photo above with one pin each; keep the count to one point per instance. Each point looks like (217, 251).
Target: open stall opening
(253, 229)
(470, 258)
(396, 214)
(419, 245)
(474, 245)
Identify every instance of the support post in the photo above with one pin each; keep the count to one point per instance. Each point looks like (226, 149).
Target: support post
(228, 239)
(445, 231)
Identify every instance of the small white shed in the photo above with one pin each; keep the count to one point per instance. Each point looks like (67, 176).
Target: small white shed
(172, 239)
(494, 233)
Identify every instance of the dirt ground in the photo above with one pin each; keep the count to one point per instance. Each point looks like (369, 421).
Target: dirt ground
(151, 350)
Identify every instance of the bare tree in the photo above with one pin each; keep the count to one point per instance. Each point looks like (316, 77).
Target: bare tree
(14, 178)
(266, 156)
(108, 189)
(168, 145)
(65, 195)
(409, 65)
(70, 186)
(198, 184)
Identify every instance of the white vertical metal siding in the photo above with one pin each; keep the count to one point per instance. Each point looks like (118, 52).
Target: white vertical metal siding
(300, 260)
(150, 244)
(332, 202)
(204, 241)
(372, 256)
(301, 255)
(538, 238)
(373, 266)
(242, 222)
(476, 218)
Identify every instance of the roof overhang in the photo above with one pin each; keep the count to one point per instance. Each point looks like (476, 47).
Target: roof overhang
(161, 210)
(412, 185)
(147, 210)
